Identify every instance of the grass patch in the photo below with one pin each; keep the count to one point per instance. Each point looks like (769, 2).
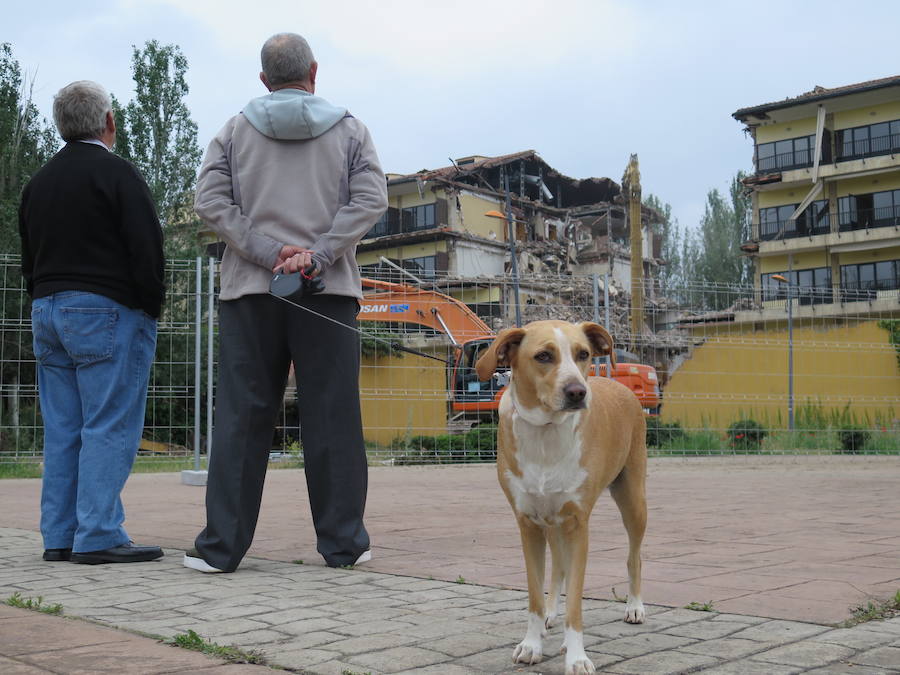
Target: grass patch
(700, 606)
(460, 579)
(194, 642)
(873, 611)
(34, 604)
(20, 469)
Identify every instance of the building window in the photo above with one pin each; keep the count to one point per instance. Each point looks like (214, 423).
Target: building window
(863, 280)
(774, 222)
(869, 140)
(418, 217)
(423, 267)
(860, 212)
(808, 287)
(792, 153)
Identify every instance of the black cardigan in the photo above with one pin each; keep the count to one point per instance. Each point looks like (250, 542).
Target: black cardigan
(88, 223)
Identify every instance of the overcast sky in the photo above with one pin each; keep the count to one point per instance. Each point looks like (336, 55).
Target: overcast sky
(583, 82)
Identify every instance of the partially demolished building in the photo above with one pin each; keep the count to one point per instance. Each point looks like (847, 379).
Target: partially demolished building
(447, 225)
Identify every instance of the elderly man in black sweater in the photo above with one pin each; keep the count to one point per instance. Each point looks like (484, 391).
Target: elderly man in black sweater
(92, 258)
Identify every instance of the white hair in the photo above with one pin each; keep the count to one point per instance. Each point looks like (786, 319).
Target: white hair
(79, 110)
(286, 57)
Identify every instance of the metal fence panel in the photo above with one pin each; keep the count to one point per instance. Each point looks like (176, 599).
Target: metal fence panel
(733, 365)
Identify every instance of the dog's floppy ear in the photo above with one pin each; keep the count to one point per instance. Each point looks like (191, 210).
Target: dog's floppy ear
(600, 340)
(500, 352)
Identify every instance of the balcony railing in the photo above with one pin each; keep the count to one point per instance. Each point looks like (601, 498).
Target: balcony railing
(786, 229)
(798, 159)
(864, 219)
(869, 147)
(867, 290)
(804, 295)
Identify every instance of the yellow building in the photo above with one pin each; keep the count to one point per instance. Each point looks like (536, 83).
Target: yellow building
(826, 233)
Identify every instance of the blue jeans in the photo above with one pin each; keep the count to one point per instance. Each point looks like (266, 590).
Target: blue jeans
(93, 364)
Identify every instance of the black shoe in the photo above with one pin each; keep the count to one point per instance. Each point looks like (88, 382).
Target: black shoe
(57, 554)
(118, 554)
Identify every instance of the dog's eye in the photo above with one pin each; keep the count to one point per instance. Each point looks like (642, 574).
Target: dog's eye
(583, 355)
(543, 357)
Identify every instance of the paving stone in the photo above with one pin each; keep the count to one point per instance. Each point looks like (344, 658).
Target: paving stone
(375, 627)
(316, 639)
(370, 643)
(400, 658)
(845, 669)
(253, 638)
(805, 654)
(751, 668)
(464, 644)
(857, 637)
(706, 630)
(662, 663)
(301, 658)
(10, 667)
(384, 614)
(229, 626)
(677, 616)
(308, 626)
(888, 657)
(726, 648)
(780, 631)
(437, 628)
(739, 618)
(439, 669)
(283, 616)
(637, 645)
(229, 612)
(619, 629)
(341, 668)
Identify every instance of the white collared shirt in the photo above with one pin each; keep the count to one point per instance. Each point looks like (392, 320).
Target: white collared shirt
(95, 141)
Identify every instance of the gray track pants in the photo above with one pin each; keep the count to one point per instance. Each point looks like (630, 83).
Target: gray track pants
(259, 336)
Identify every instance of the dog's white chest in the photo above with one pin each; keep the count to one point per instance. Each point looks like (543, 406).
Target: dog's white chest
(549, 458)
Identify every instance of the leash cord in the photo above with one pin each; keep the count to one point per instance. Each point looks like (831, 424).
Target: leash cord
(393, 345)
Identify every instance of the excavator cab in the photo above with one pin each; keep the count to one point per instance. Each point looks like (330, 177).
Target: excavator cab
(466, 386)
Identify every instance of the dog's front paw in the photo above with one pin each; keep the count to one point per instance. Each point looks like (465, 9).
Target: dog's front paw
(634, 611)
(528, 652)
(579, 667)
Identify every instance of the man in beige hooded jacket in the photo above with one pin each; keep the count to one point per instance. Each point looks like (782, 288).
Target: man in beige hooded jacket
(292, 181)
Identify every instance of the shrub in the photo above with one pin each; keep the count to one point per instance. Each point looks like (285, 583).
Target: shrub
(746, 434)
(659, 433)
(852, 439)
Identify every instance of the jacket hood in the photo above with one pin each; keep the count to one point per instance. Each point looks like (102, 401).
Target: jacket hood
(292, 114)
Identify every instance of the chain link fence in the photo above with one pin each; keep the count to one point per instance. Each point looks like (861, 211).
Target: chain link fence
(719, 369)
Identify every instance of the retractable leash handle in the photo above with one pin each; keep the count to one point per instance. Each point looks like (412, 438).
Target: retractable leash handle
(297, 285)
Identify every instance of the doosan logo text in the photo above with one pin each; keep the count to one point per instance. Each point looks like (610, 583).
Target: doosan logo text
(393, 309)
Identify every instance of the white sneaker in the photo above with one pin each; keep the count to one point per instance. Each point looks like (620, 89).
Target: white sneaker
(192, 560)
(364, 558)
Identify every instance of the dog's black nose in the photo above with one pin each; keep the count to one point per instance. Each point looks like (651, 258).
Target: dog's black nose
(574, 393)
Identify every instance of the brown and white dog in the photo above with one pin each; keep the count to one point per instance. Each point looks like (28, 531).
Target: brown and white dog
(562, 439)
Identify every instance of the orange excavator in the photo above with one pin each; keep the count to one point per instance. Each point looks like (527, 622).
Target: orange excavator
(400, 303)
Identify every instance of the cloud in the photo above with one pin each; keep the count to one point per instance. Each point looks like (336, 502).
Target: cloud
(459, 40)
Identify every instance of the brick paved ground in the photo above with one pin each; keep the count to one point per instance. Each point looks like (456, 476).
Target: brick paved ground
(320, 620)
(766, 541)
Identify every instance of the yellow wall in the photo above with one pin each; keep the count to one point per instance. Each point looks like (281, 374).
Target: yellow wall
(403, 396)
(735, 374)
(802, 261)
(870, 256)
(867, 184)
(401, 252)
(778, 132)
(782, 197)
(473, 296)
(473, 209)
(884, 112)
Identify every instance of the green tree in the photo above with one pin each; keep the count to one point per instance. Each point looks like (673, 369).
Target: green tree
(720, 263)
(26, 142)
(157, 134)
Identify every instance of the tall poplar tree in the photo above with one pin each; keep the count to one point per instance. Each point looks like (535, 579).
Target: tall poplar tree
(156, 132)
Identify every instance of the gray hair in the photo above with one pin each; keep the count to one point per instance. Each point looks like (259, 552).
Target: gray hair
(79, 110)
(286, 57)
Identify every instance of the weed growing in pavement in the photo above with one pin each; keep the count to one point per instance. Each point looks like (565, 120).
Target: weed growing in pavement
(36, 604)
(353, 672)
(872, 611)
(700, 606)
(617, 597)
(297, 562)
(194, 642)
(460, 579)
